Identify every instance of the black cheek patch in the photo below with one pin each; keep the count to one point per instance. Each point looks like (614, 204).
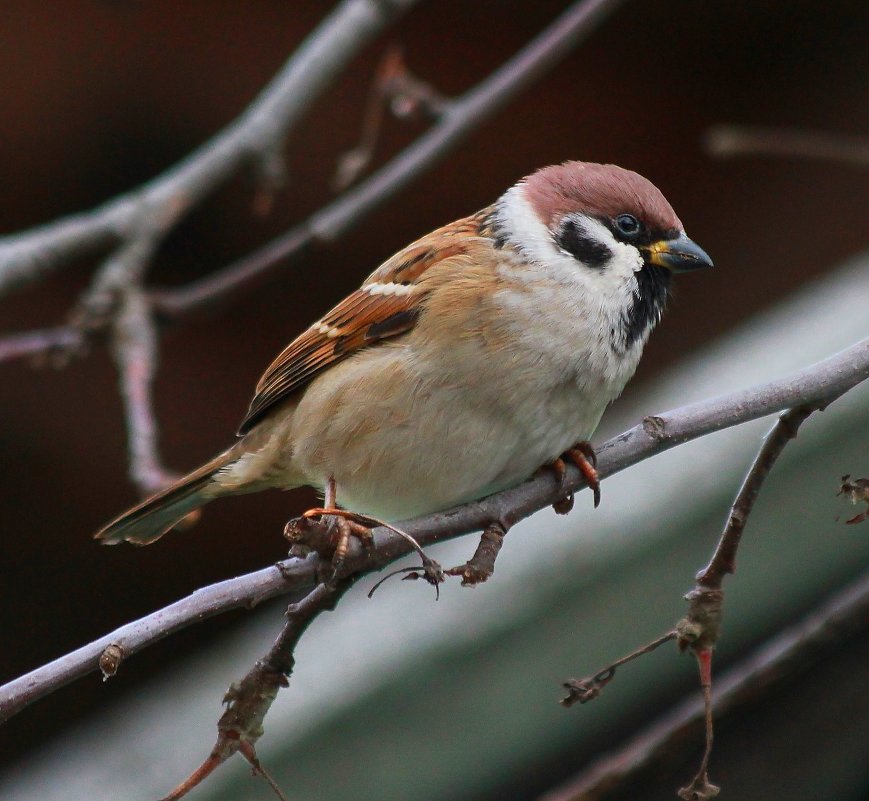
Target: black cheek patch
(576, 241)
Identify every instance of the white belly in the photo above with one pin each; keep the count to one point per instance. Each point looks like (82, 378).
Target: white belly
(423, 445)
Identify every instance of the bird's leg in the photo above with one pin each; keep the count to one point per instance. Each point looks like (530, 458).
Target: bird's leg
(330, 494)
(583, 456)
(349, 525)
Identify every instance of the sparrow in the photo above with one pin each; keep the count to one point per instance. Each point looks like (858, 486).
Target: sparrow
(474, 356)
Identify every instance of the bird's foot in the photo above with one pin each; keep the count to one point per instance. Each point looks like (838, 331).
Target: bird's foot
(583, 456)
(328, 532)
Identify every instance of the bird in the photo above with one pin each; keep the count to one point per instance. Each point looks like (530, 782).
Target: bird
(478, 354)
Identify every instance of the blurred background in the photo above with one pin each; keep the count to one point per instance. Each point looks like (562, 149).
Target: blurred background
(400, 697)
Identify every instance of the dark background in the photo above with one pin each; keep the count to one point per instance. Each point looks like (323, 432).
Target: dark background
(96, 97)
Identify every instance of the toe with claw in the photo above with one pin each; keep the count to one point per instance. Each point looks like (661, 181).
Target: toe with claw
(583, 456)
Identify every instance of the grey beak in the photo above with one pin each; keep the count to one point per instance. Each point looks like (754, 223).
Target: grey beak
(679, 255)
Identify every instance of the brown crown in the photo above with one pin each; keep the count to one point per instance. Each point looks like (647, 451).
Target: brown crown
(601, 190)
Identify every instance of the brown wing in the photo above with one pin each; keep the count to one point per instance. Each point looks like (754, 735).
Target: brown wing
(385, 306)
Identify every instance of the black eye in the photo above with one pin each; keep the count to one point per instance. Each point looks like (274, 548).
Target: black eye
(628, 225)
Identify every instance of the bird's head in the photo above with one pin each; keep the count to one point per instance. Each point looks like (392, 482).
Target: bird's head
(605, 228)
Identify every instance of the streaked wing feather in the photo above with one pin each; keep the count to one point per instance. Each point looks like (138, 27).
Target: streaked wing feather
(385, 306)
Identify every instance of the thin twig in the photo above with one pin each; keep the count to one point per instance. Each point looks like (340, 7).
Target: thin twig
(584, 690)
(38, 343)
(726, 141)
(700, 628)
(394, 89)
(700, 788)
(248, 752)
(724, 559)
(459, 118)
(296, 577)
(840, 618)
(254, 135)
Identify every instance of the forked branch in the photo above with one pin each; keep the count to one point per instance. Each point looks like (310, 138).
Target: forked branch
(297, 577)
(700, 628)
(257, 134)
(840, 619)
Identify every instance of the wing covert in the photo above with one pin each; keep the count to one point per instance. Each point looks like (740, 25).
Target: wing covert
(387, 305)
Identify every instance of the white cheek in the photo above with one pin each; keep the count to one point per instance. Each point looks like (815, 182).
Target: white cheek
(626, 259)
(520, 223)
(617, 275)
(572, 302)
(524, 229)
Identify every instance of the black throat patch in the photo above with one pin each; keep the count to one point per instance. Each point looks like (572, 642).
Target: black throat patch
(647, 304)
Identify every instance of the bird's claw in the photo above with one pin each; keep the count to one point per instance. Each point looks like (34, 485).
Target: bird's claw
(583, 456)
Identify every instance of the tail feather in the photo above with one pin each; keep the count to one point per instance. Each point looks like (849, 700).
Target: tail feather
(155, 516)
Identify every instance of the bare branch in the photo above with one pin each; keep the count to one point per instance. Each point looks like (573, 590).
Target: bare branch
(255, 135)
(249, 700)
(700, 628)
(38, 343)
(726, 141)
(135, 352)
(458, 118)
(296, 577)
(842, 617)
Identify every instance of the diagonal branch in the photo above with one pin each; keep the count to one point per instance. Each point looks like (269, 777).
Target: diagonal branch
(700, 628)
(724, 559)
(458, 118)
(249, 700)
(255, 136)
(296, 577)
